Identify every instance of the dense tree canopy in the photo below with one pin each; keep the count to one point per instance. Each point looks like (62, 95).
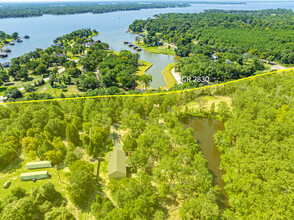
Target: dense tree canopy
(39, 9)
(266, 33)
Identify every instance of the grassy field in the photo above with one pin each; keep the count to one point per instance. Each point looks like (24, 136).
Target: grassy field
(157, 49)
(59, 177)
(143, 67)
(18, 166)
(167, 75)
(204, 102)
(56, 92)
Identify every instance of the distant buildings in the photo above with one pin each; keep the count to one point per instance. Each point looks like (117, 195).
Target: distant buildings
(6, 65)
(3, 55)
(59, 55)
(7, 50)
(57, 45)
(89, 44)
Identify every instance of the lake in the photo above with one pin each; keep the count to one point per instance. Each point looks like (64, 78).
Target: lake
(203, 131)
(111, 26)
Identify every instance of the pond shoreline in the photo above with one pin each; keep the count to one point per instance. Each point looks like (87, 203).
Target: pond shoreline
(203, 131)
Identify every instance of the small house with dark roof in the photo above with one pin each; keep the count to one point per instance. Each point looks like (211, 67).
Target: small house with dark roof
(89, 44)
(11, 43)
(57, 45)
(26, 37)
(117, 167)
(19, 40)
(3, 55)
(59, 55)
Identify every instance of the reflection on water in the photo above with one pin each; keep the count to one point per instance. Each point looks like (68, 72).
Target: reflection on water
(203, 131)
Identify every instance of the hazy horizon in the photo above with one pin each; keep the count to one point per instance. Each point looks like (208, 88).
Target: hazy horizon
(31, 1)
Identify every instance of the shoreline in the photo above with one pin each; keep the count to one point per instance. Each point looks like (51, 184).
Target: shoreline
(155, 49)
(168, 77)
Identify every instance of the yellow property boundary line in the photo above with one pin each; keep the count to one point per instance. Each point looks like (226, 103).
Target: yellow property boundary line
(151, 94)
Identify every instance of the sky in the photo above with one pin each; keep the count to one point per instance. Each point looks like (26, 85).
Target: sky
(11, 1)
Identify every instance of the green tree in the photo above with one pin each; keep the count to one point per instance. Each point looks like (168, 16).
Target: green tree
(72, 134)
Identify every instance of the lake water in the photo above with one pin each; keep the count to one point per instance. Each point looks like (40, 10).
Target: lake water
(112, 26)
(204, 129)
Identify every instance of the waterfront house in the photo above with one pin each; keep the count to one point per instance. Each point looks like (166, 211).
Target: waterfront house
(6, 65)
(131, 45)
(39, 165)
(57, 45)
(59, 55)
(19, 40)
(139, 49)
(26, 37)
(3, 55)
(89, 44)
(11, 43)
(126, 42)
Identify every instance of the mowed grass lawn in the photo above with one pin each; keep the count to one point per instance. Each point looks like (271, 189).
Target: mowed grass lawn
(143, 67)
(157, 49)
(167, 75)
(18, 166)
(56, 92)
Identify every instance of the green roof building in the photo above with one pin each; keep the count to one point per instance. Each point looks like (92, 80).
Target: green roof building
(39, 165)
(117, 164)
(34, 175)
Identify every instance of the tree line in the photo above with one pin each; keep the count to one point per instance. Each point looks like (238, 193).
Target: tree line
(257, 148)
(265, 33)
(38, 9)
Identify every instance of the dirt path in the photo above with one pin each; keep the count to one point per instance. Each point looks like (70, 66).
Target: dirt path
(274, 66)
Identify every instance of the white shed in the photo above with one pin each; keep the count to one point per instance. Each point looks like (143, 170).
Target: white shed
(39, 165)
(34, 175)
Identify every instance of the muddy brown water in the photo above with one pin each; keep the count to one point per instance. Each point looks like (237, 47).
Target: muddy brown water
(203, 131)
